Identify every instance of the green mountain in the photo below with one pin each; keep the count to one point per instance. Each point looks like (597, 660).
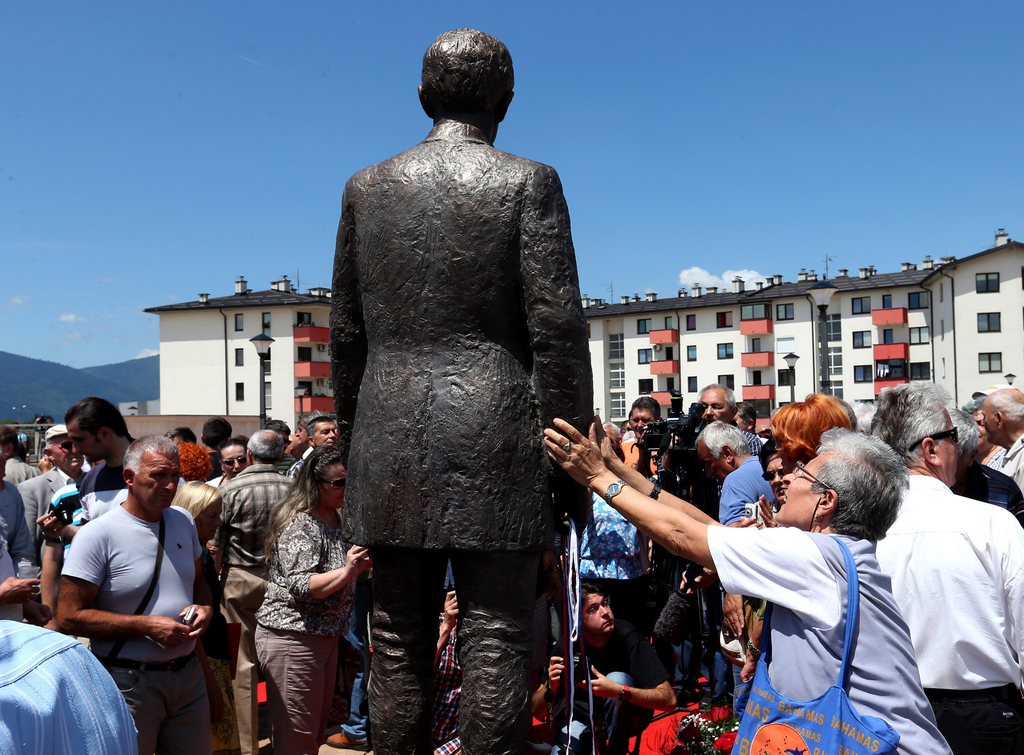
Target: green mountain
(50, 388)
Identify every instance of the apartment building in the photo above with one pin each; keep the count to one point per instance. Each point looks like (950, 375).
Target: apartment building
(959, 322)
(209, 367)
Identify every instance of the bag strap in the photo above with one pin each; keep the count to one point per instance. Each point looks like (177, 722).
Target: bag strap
(852, 615)
(149, 592)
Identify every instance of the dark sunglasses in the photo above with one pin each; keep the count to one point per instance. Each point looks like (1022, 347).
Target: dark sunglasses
(233, 462)
(338, 483)
(770, 475)
(950, 433)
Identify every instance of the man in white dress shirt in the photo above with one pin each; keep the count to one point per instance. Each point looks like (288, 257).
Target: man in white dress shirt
(1003, 413)
(957, 569)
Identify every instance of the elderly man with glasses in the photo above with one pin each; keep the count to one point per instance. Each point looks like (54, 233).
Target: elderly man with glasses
(956, 566)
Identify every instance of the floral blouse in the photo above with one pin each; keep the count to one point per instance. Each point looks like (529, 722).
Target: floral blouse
(611, 547)
(306, 547)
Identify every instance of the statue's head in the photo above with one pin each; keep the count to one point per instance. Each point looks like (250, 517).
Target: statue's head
(466, 72)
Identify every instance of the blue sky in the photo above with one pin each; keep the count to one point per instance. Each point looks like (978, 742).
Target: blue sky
(149, 153)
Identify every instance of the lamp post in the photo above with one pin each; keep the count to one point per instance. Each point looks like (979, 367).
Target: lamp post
(791, 361)
(1009, 378)
(263, 342)
(821, 293)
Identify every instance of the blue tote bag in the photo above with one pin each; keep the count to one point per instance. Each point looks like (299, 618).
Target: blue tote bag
(774, 724)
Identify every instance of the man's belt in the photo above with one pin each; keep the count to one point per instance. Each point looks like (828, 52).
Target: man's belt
(1005, 694)
(168, 667)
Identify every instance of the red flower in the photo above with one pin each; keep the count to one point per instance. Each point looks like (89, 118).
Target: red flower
(725, 742)
(721, 713)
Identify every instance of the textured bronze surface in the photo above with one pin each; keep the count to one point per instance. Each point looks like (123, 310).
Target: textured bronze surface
(457, 336)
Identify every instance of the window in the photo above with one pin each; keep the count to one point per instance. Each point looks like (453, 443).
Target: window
(833, 328)
(784, 312)
(669, 353)
(670, 322)
(920, 371)
(755, 377)
(990, 361)
(691, 322)
(645, 386)
(729, 381)
(986, 283)
(617, 375)
(785, 377)
(723, 319)
(891, 369)
(239, 323)
(888, 336)
(785, 345)
(691, 353)
(303, 318)
(989, 322)
(754, 312)
(239, 357)
(755, 345)
(835, 361)
(725, 351)
(643, 356)
(691, 384)
(860, 305)
(862, 373)
(618, 406)
(266, 396)
(304, 354)
(239, 391)
(919, 335)
(643, 325)
(918, 300)
(616, 349)
(861, 339)
(266, 323)
(886, 301)
(670, 384)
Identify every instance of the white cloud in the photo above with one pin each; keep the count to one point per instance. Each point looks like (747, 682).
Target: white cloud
(70, 318)
(692, 275)
(74, 337)
(19, 301)
(146, 353)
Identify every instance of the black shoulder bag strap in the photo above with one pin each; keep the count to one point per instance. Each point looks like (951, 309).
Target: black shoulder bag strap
(149, 593)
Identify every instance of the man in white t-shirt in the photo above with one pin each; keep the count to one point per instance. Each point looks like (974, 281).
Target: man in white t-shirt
(137, 622)
(956, 566)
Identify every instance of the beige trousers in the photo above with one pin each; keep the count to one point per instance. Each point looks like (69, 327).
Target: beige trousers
(244, 589)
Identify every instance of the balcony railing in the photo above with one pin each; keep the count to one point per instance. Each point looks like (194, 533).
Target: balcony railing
(756, 392)
(755, 327)
(882, 383)
(883, 351)
(757, 359)
(665, 367)
(312, 369)
(314, 405)
(665, 335)
(892, 316)
(310, 334)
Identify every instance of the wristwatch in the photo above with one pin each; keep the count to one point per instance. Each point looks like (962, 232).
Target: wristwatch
(655, 491)
(753, 649)
(625, 694)
(614, 489)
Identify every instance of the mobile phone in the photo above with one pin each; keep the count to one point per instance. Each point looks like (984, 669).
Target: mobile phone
(190, 615)
(752, 511)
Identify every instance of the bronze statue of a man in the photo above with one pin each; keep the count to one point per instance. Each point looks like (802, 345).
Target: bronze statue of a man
(457, 335)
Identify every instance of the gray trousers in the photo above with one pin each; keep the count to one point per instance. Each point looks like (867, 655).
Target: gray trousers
(171, 711)
(496, 598)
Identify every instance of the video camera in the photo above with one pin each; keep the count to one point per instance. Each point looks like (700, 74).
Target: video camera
(677, 433)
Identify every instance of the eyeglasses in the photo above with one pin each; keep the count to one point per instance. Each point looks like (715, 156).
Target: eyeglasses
(801, 471)
(771, 474)
(951, 433)
(338, 483)
(233, 462)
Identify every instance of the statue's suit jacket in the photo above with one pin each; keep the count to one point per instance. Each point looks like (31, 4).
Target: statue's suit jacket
(457, 335)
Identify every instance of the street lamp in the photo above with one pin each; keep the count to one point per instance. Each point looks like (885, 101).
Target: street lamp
(1009, 377)
(822, 293)
(263, 342)
(791, 361)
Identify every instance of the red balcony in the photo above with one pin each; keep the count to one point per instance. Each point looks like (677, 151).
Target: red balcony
(893, 316)
(310, 334)
(755, 327)
(312, 369)
(882, 384)
(665, 335)
(663, 397)
(757, 359)
(314, 405)
(755, 392)
(884, 351)
(665, 367)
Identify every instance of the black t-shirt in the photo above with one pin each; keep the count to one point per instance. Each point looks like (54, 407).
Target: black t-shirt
(629, 651)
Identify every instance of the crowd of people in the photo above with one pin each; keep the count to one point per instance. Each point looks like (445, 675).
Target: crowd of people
(195, 568)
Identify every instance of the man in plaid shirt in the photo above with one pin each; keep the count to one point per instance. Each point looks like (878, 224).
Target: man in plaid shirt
(444, 733)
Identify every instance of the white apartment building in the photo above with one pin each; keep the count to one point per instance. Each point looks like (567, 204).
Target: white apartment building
(209, 367)
(959, 322)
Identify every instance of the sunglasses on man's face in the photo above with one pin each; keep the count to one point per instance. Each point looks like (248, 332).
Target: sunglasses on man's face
(951, 433)
(233, 462)
(771, 474)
